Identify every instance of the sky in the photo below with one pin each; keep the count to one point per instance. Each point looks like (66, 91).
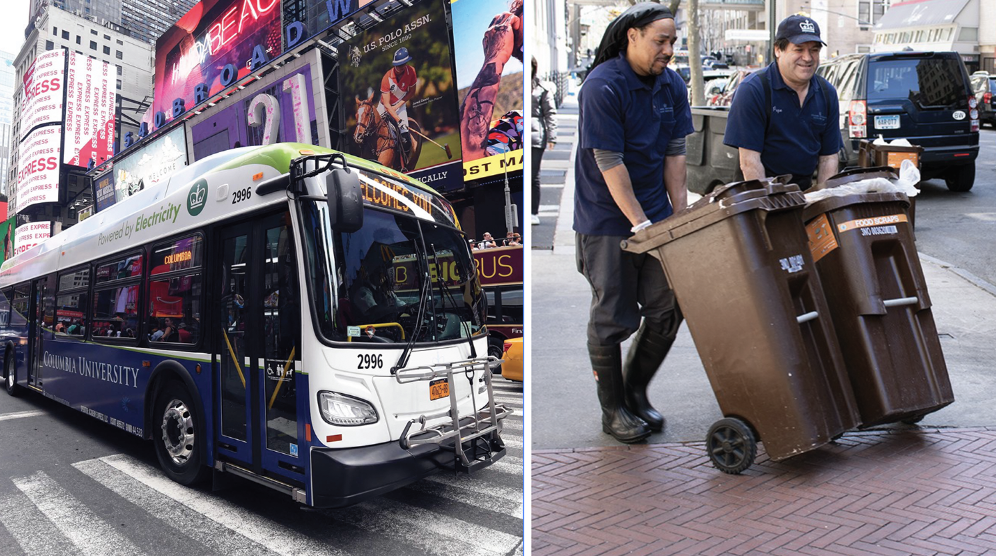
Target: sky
(12, 24)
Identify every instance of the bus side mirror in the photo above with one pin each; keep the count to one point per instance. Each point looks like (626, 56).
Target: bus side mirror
(345, 200)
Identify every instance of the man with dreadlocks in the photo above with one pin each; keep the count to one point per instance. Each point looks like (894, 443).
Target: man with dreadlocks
(630, 171)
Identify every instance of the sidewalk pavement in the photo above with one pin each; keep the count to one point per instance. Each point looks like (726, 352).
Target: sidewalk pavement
(895, 489)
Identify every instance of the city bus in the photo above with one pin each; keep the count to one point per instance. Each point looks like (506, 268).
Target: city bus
(245, 315)
(500, 271)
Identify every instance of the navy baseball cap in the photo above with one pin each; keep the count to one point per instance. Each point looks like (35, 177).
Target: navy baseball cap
(799, 29)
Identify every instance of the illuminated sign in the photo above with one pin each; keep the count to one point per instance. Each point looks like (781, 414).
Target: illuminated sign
(43, 91)
(31, 234)
(181, 257)
(89, 121)
(38, 171)
(394, 196)
(149, 165)
(214, 45)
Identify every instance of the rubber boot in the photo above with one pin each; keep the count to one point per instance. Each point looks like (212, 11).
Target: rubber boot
(644, 358)
(606, 362)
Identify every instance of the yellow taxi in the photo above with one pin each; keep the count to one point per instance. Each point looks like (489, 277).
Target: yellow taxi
(513, 356)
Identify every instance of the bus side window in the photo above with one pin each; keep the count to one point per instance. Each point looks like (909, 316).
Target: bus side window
(174, 291)
(5, 304)
(115, 298)
(71, 303)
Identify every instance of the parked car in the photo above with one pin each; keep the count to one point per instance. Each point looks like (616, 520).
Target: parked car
(730, 88)
(984, 86)
(513, 356)
(925, 97)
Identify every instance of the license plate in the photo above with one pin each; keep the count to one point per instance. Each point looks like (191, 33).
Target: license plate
(886, 122)
(439, 389)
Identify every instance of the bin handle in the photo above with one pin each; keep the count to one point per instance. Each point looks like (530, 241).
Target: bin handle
(899, 302)
(807, 317)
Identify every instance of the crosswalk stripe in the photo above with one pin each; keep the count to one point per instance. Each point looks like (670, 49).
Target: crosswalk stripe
(511, 441)
(190, 523)
(472, 483)
(21, 415)
(511, 424)
(430, 531)
(81, 526)
(274, 537)
(31, 529)
(480, 498)
(509, 464)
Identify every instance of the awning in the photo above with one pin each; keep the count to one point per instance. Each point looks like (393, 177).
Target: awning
(921, 13)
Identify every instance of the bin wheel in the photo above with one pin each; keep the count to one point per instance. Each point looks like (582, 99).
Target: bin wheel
(913, 420)
(731, 445)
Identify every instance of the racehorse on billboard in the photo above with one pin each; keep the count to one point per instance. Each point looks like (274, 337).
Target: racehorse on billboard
(380, 139)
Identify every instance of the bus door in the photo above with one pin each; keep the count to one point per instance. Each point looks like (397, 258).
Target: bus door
(42, 317)
(258, 335)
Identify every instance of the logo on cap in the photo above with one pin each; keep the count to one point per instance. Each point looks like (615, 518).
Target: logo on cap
(807, 27)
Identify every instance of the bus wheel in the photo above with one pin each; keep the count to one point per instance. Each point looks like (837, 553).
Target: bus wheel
(9, 374)
(175, 433)
(496, 348)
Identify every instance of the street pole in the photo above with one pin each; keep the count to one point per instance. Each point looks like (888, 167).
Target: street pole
(772, 23)
(511, 212)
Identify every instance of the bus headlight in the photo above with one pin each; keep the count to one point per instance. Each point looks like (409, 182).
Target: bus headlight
(347, 411)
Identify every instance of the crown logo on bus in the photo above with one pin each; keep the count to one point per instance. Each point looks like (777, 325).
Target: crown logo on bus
(197, 197)
(807, 27)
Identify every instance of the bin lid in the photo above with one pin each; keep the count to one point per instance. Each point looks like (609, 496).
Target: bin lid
(831, 204)
(768, 194)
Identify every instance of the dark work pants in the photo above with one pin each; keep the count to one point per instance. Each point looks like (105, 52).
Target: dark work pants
(537, 157)
(624, 288)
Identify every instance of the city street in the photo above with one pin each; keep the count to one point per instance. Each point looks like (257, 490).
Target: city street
(896, 489)
(70, 484)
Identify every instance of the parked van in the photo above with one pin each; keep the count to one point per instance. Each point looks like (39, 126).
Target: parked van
(925, 97)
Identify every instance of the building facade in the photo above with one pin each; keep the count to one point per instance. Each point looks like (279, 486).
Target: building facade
(6, 113)
(146, 20)
(53, 28)
(964, 26)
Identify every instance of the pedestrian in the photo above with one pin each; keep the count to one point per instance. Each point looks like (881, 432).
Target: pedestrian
(784, 118)
(543, 131)
(630, 169)
(487, 242)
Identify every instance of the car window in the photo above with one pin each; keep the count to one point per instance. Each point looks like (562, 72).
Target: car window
(848, 75)
(927, 82)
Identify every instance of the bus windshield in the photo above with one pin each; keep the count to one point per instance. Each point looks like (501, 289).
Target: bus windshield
(368, 285)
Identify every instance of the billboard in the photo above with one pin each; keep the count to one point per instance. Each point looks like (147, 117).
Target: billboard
(43, 91)
(420, 90)
(89, 123)
(103, 191)
(194, 53)
(281, 111)
(28, 235)
(38, 171)
(7, 232)
(145, 167)
(489, 44)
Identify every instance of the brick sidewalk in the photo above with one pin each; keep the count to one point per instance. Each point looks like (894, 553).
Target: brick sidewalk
(891, 492)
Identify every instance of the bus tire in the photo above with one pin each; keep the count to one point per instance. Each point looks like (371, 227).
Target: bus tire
(177, 435)
(10, 374)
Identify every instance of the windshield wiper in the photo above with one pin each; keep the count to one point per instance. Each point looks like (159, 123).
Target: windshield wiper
(447, 293)
(420, 314)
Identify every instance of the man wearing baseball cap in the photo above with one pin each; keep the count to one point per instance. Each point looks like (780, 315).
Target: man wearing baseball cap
(784, 118)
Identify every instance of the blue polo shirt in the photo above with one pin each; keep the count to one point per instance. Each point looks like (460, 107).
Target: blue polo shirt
(796, 136)
(620, 112)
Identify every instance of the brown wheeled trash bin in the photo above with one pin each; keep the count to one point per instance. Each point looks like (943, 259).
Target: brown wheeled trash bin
(865, 254)
(739, 263)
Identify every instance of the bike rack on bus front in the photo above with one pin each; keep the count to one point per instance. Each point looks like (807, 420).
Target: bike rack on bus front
(491, 419)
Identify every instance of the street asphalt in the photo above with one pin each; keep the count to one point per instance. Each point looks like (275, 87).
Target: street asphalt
(565, 411)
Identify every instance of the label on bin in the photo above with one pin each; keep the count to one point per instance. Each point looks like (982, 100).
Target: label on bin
(895, 160)
(821, 238)
(792, 264)
(878, 221)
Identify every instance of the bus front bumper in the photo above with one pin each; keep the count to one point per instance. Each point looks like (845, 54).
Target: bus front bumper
(347, 476)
